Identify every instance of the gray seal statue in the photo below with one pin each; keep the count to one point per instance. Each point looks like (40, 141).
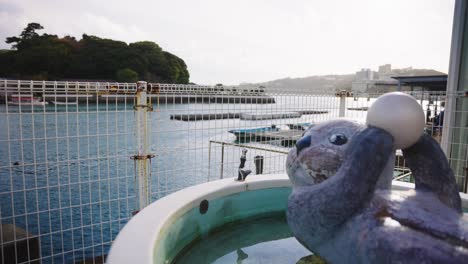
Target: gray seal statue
(342, 207)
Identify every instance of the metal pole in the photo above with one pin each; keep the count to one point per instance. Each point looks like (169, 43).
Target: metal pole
(209, 160)
(422, 97)
(222, 161)
(258, 164)
(342, 96)
(453, 74)
(465, 171)
(142, 131)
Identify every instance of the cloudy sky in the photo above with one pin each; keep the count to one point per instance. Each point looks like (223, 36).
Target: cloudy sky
(256, 40)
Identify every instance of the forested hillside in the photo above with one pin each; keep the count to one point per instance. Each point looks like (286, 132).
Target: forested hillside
(48, 57)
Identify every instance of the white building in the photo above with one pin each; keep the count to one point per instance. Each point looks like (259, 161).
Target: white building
(361, 80)
(364, 74)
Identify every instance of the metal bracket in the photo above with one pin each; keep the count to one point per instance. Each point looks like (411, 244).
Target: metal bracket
(142, 157)
(150, 107)
(344, 93)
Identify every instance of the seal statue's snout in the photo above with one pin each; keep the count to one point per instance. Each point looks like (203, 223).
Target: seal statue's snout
(303, 143)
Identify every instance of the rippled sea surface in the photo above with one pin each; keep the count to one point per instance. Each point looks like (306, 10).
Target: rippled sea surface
(66, 176)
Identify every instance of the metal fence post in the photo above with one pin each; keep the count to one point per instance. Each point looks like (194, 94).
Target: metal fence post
(258, 164)
(142, 131)
(209, 160)
(222, 162)
(342, 95)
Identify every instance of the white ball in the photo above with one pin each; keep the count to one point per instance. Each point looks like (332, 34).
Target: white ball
(400, 115)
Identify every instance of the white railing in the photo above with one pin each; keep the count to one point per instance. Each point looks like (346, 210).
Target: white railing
(101, 88)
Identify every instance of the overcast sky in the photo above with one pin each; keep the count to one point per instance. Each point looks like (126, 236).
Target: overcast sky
(256, 40)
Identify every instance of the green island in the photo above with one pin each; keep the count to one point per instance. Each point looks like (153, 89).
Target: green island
(49, 57)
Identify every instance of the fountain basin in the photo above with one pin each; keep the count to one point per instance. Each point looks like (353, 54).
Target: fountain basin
(160, 232)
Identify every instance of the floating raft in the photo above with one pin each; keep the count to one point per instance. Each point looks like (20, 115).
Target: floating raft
(364, 108)
(197, 117)
(312, 112)
(156, 98)
(218, 99)
(244, 116)
(265, 116)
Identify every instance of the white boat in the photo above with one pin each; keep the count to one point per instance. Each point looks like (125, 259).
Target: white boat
(26, 100)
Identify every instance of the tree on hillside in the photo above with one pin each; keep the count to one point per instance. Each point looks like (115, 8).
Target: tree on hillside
(28, 34)
(97, 58)
(147, 58)
(126, 75)
(176, 70)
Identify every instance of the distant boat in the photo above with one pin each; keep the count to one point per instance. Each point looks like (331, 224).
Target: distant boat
(300, 126)
(246, 133)
(64, 103)
(26, 100)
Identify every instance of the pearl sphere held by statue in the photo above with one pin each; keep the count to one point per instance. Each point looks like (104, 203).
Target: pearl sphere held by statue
(400, 115)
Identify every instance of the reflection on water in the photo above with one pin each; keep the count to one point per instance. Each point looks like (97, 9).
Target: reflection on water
(265, 240)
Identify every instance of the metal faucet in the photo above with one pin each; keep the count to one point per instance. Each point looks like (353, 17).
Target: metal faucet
(242, 174)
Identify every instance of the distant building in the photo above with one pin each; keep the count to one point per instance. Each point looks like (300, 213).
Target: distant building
(364, 74)
(385, 72)
(385, 69)
(388, 79)
(362, 80)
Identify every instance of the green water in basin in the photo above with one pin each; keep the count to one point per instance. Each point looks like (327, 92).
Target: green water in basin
(245, 227)
(254, 241)
(263, 240)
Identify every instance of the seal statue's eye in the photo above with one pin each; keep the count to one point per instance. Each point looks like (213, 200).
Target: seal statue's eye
(338, 139)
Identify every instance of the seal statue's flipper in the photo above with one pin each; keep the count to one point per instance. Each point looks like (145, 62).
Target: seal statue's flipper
(432, 172)
(425, 213)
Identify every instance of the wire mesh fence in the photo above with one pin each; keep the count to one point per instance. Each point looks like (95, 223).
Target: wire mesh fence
(67, 180)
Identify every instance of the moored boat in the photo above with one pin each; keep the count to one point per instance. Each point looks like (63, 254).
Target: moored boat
(64, 103)
(26, 100)
(246, 133)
